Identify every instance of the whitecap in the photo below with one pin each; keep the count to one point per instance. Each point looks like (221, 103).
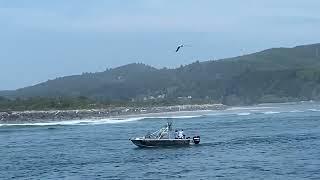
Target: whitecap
(249, 108)
(244, 114)
(96, 121)
(271, 112)
(172, 117)
(315, 110)
(77, 122)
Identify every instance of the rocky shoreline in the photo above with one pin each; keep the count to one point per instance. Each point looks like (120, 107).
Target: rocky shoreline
(58, 115)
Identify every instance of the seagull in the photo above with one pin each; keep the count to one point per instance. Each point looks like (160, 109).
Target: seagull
(179, 47)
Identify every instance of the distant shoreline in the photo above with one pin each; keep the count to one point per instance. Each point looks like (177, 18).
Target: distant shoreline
(115, 112)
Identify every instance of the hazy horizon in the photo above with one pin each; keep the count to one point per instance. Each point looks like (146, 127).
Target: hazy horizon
(44, 40)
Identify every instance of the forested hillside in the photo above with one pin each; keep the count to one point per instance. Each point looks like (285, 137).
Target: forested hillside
(273, 75)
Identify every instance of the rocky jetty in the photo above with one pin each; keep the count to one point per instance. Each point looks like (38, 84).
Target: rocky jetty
(58, 115)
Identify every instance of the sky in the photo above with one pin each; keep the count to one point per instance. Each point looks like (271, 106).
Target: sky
(41, 40)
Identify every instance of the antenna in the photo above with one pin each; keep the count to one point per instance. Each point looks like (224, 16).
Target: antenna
(169, 124)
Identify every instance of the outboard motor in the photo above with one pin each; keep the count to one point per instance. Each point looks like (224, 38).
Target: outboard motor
(196, 139)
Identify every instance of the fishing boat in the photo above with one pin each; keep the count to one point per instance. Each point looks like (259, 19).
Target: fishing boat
(165, 137)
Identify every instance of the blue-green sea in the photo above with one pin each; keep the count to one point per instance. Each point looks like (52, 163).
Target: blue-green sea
(268, 141)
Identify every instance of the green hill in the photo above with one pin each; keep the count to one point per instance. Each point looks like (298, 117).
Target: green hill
(273, 75)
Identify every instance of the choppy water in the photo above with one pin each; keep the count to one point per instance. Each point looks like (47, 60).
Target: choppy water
(261, 142)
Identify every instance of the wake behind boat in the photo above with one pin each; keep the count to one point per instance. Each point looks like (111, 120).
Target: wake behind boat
(165, 137)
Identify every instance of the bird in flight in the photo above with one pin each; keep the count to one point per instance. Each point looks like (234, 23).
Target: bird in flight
(179, 47)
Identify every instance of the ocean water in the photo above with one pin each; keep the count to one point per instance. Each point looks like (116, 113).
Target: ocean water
(269, 141)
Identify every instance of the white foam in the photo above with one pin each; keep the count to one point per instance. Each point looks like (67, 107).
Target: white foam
(244, 114)
(78, 122)
(250, 108)
(95, 121)
(271, 112)
(172, 117)
(315, 110)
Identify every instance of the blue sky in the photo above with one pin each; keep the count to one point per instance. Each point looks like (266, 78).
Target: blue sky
(41, 40)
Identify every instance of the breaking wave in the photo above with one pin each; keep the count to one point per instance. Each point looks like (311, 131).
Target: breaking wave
(271, 112)
(244, 114)
(94, 121)
(314, 110)
(251, 108)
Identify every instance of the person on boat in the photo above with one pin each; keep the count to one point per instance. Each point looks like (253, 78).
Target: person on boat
(176, 136)
(181, 134)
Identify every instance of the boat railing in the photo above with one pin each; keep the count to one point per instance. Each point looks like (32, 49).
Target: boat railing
(161, 133)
